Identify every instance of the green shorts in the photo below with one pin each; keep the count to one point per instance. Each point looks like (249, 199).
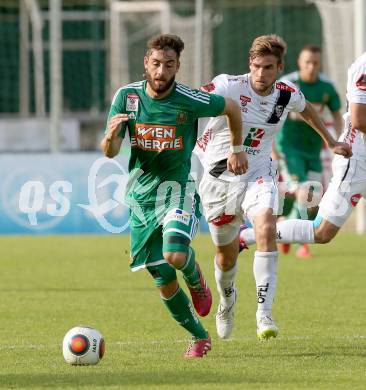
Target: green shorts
(178, 220)
(299, 166)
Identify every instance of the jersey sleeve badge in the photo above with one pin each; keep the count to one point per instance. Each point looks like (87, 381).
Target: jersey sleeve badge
(132, 102)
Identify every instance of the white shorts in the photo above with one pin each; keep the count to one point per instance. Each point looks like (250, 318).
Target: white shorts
(225, 204)
(347, 186)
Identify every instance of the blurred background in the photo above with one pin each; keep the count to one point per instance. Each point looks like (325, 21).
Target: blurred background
(62, 61)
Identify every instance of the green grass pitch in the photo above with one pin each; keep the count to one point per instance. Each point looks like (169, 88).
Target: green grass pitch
(50, 284)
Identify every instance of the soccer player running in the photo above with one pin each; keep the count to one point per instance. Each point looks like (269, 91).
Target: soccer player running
(226, 198)
(299, 147)
(160, 116)
(348, 183)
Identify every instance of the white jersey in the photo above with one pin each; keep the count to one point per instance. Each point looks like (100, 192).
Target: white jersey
(262, 116)
(356, 93)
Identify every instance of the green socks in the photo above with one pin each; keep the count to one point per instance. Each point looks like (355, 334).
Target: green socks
(189, 270)
(183, 312)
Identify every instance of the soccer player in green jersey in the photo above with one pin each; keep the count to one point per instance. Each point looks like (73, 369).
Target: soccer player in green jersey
(299, 147)
(160, 116)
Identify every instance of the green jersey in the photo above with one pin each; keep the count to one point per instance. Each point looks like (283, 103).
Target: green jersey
(298, 135)
(162, 133)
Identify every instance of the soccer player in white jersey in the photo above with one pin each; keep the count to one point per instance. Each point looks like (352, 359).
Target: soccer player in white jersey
(265, 104)
(348, 184)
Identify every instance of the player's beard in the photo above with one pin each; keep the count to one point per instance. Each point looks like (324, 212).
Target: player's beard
(159, 88)
(264, 87)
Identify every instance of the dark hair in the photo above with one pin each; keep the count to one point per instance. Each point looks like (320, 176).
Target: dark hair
(311, 48)
(268, 45)
(165, 42)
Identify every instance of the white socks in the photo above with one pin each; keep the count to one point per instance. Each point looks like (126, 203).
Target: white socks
(288, 231)
(265, 274)
(295, 230)
(225, 284)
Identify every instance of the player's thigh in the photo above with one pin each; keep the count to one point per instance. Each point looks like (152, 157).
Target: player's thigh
(262, 193)
(220, 197)
(346, 188)
(180, 225)
(224, 230)
(145, 239)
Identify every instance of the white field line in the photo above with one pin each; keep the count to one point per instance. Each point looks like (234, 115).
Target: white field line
(154, 342)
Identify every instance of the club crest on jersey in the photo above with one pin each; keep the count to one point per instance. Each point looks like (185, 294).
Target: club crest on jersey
(132, 103)
(355, 199)
(279, 110)
(284, 87)
(181, 117)
(361, 82)
(156, 138)
(208, 87)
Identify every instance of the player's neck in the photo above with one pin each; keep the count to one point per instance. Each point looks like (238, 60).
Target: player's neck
(158, 95)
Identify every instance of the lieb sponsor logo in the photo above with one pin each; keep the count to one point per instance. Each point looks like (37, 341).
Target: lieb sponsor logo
(156, 138)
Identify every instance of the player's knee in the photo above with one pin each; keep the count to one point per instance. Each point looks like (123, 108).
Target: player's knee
(321, 236)
(175, 259)
(226, 256)
(266, 232)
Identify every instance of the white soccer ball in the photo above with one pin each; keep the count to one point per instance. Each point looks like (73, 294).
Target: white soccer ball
(83, 345)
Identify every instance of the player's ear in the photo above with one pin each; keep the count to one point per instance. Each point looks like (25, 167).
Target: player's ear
(178, 65)
(146, 60)
(281, 67)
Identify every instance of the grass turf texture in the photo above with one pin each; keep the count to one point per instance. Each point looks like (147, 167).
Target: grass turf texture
(50, 284)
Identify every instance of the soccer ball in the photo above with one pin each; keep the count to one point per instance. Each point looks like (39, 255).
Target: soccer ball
(83, 345)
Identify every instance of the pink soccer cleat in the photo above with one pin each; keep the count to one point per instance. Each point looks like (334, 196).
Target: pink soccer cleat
(242, 244)
(304, 252)
(201, 295)
(284, 248)
(197, 348)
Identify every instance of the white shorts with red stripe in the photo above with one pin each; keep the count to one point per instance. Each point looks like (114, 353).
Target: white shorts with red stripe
(226, 204)
(346, 188)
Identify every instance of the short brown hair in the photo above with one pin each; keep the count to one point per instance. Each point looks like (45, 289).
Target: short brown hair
(268, 45)
(312, 48)
(165, 42)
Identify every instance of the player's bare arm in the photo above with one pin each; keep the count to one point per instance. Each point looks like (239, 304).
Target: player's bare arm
(111, 143)
(338, 122)
(358, 116)
(313, 119)
(237, 161)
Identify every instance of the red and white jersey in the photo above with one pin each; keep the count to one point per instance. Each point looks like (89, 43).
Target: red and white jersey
(356, 93)
(262, 116)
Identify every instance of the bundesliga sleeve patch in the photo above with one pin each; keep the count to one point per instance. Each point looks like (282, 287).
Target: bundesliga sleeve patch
(361, 82)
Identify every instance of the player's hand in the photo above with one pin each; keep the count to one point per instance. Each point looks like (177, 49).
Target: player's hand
(237, 163)
(342, 148)
(114, 125)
